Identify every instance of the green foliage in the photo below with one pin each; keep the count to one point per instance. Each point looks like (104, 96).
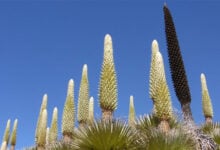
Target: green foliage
(43, 106)
(41, 140)
(158, 86)
(206, 101)
(213, 130)
(69, 111)
(7, 132)
(108, 80)
(14, 132)
(132, 115)
(103, 135)
(53, 132)
(83, 101)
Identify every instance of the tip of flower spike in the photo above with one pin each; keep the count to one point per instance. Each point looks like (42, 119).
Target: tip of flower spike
(45, 96)
(85, 68)
(70, 87)
(131, 100)
(108, 37)
(55, 110)
(91, 99)
(155, 47)
(203, 80)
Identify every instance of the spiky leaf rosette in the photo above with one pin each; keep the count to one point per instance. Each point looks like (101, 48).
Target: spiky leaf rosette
(103, 135)
(53, 134)
(161, 96)
(206, 101)
(91, 109)
(4, 145)
(7, 132)
(132, 115)
(69, 111)
(108, 80)
(14, 132)
(41, 140)
(177, 66)
(153, 74)
(43, 106)
(83, 100)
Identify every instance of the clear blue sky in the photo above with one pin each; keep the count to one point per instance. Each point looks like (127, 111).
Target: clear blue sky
(44, 44)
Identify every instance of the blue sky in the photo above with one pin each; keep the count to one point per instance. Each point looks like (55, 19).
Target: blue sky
(45, 43)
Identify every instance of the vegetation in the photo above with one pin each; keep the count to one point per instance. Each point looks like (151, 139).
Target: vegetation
(161, 130)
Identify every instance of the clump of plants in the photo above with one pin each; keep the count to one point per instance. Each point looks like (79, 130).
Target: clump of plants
(161, 130)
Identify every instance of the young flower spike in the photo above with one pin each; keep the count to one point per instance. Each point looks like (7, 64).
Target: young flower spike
(43, 106)
(7, 132)
(69, 114)
(108, 82)
(83, 100)
(91, 109)
(14, 134)
(41, 140)
(206, 101)
(132, 115)
(53, 133)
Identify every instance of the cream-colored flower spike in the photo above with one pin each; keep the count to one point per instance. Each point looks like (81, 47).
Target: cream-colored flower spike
(4, 145)
(83, 100)
(14, 133)
(43, 106)
(7, 132)
(162, 100)
(153, 73)
(69, 113)
(108, 82)
(53, 134)
(41, 140)
(91, 109)
(206, 100)
(132, 115)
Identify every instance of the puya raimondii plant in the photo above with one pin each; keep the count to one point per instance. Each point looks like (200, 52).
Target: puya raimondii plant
(177, 66)
(159, 91)
(132, 115)
(108, 82)
(83, 100)
(69, 114)
(41, 139)
(206, 101)
(13, 139)
(43, 106)
(53, 130)
(7, 132)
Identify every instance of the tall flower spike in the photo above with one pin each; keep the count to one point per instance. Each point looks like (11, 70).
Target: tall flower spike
(14, 134)
(7, 132)
(153, 74)
(91, 109)
(83, 100)
(177, 66)
(53, 134)
(161, 96)
(41, 140)
(108, 82)
(4, 145)
(43, 106)
(69, 113)
(206, 101)
(132, 115)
